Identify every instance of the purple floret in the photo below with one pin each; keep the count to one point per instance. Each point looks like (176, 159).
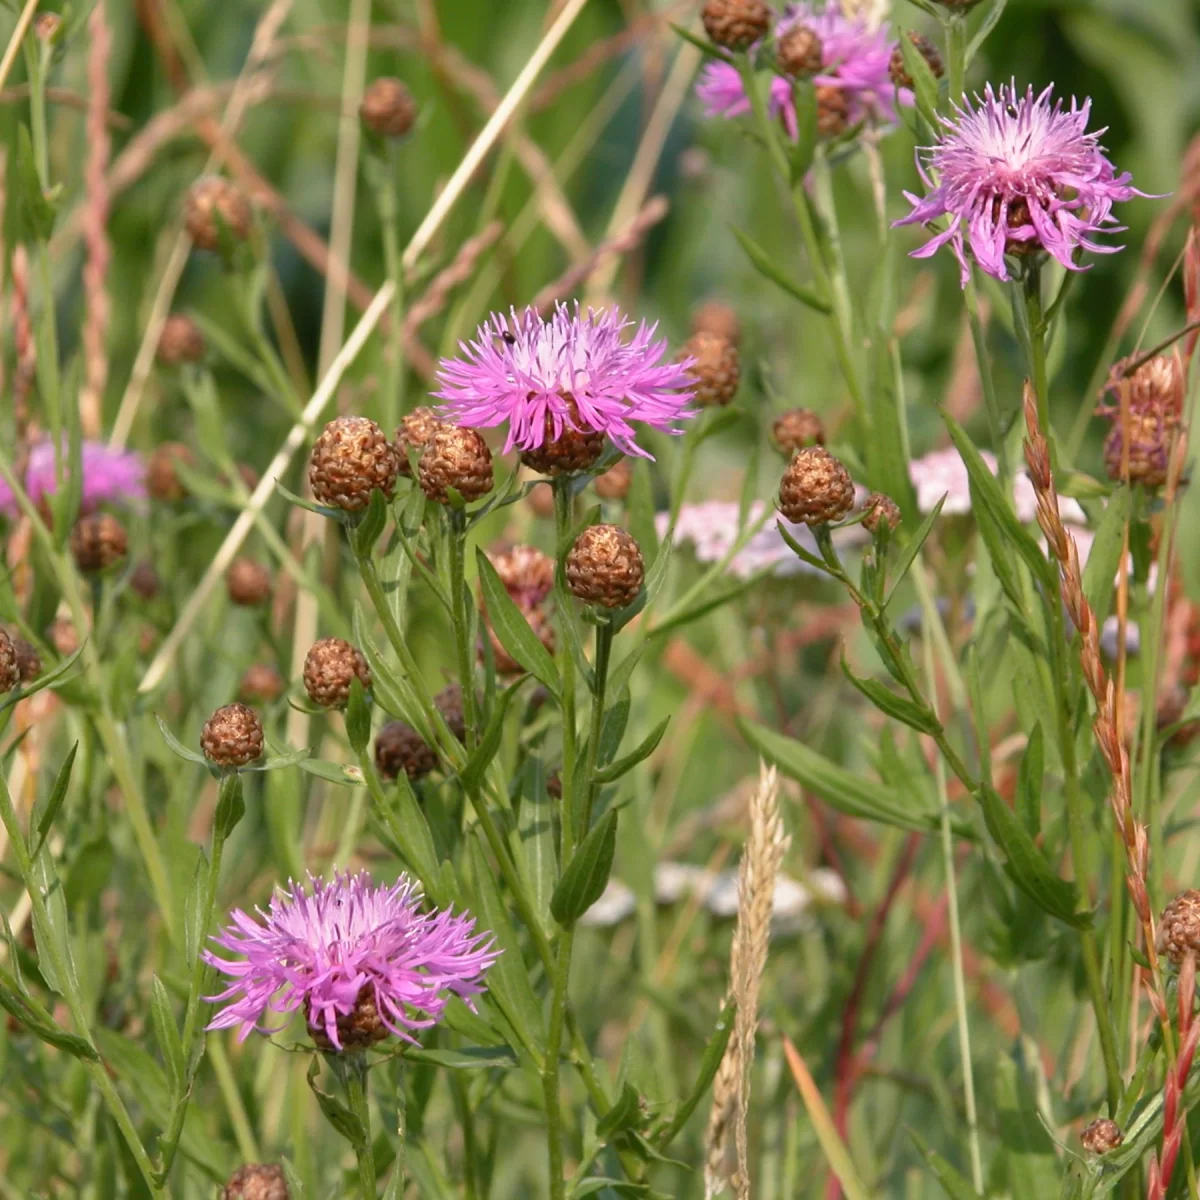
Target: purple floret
(109, 477)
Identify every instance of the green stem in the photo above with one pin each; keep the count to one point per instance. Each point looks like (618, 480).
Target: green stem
(550, 1066)
(355, 1076)
(956, 55)
(992, 403)
(394, 378)
(1032, 325)
(461, 605)
(604, 641)
(570, 821)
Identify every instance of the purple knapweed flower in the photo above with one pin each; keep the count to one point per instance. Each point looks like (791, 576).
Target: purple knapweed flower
(109, 477)
(855, 57)
(327, 950)
(575, 370)
(1014, 175)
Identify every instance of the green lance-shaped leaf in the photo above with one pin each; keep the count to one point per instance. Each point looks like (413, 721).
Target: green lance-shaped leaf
(770, 269)
(625, 1113)
(643, 750)
(366, 533)
(586, 875)
(57, 795)
(918, 716)
(925, 82)
(166, 1033)
(513, 630)
(336, 1113)
(358, 717)
(953, 1183)
(913, 548)
(489, 743)
(710, 1063)
(1027, 865)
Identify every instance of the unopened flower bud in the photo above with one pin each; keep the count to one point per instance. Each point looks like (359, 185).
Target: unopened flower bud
(719, 319)
(414, 431)
(399, 747)
(98, 541)
(735, 24)
(833, 110)
(816, 488)
(458, 458)
(180, 341)
(881, 510)
(898, 72)
(257, 1181)
(162, 477)
(232, 737)
(261, 684)
(449, 702)
(249, 582)
(329, 668)
(614, 484)
(716, 369)
(215, 206)
(144, 581)
(1101, 1136)
(605, 567)
(388, 108)
(29, 661)
(350, 459)
(797, 428)
(541, 501)
(10, 670)
(1179, 927)
(799, 52)
(526, 572)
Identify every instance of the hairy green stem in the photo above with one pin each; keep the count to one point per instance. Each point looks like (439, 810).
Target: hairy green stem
(461, 605)
(355, 1078)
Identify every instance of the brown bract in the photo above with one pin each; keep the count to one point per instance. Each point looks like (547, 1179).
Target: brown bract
(735, 24)
(350, 459)
(232, 736)
(98, 541)
(180, 341)
(1101, 1136)
(215, 205)
(605, 567)
(799, 52)
(399, 747)
(330, 667)
(257, 1181)
(833, 110)
(356, 1030)
(414, 431)
(716, 371)
(249, 582)
(881, 510)
(797, 428)
(1179, 927)
(387, 107)
(898, 72)
(816, 488)
(162, 478)
(575, 449)
(144, 580)
(526, 572)
(457, 458)
(10, 671)
(261, 684)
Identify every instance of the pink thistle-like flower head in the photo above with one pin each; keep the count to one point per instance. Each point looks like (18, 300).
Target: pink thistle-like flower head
(109, 477)
(1018, 174)
(528, 371)
(318, 950)
(855, 57)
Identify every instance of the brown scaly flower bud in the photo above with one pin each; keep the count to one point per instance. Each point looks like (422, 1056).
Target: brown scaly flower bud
(98, 541)
(816, 488)
(449, 702)
(414, 431)
(716, 369)
(329, 667)
(1154, 396)
(232, 736)
(575, 449)
(457, 458)
(539, 622)
(797, 428)
(1179, 927)
(833, 110)
(1101, 1136)
(735, 24)
(800, 52)
(214, 204)
(881, 510)
(898, 72)
(29, 661)
(10, 670)
(63, 636)
(387, 108)
(614, 484)
(527, 574)
(180, 341)
(541, 502)
(162, 478)
(249, 582)
(261, 684)
(350, 459)
(399, 747)
(257, 1181)
(144, 580)
(719, 319)
(605, 567)
(356, 1030)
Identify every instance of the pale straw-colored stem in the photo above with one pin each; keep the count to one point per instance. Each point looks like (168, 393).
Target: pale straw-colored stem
(14, 42)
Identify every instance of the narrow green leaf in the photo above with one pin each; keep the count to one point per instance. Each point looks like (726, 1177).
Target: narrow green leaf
(710, 1063)
(466, 1058)
(802, 151)
(925, 83)
(625, 1113)
(336, 1113)
(1027, 866)
(1029, 783)
(57, 795)
(912, 549)
(586, 875)
(177, 747)
(892, 704)
(770, 269)
(366, 533)
(512, 629)
(953, 1183)
(193, 906)
(489, 743)
(25, 1009)
(89, 872)
(358, 718)
(166, 1033)
(985, 28)
(1104, 558)
(343, 773)
(705, 47)
(643, 750)
(1029, 1153)
(230, 806)
(535, 825)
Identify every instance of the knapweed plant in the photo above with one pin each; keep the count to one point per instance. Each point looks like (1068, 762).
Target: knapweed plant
(599, 600)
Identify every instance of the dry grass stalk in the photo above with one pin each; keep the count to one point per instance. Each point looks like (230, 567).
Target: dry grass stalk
(1162, 1167)
(95, 226)
(761, 858)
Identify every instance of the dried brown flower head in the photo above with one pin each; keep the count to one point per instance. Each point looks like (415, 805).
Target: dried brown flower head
(10, 670)
(249, 582)
(735, 24)
(605, 567)
(388, 108)
(1179, 927)
(215, 206)
(797, 428)
(799, 52)
(539, 621)
(716, 369)
(1101, 1136)
(261, 684)
(232, 736)
(1154, 398)
(180, 341)
(356, 1030)
(350, 459)
(399, 747)
(457, 458)
(833, 110)
(414, 431)
(881, 510)
(614, 484)
(329, 668)
(162, 477)
(257, 1181)
(144, 580)
(526, 572)
(98, 541)
(449, 702)
(816, 488)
